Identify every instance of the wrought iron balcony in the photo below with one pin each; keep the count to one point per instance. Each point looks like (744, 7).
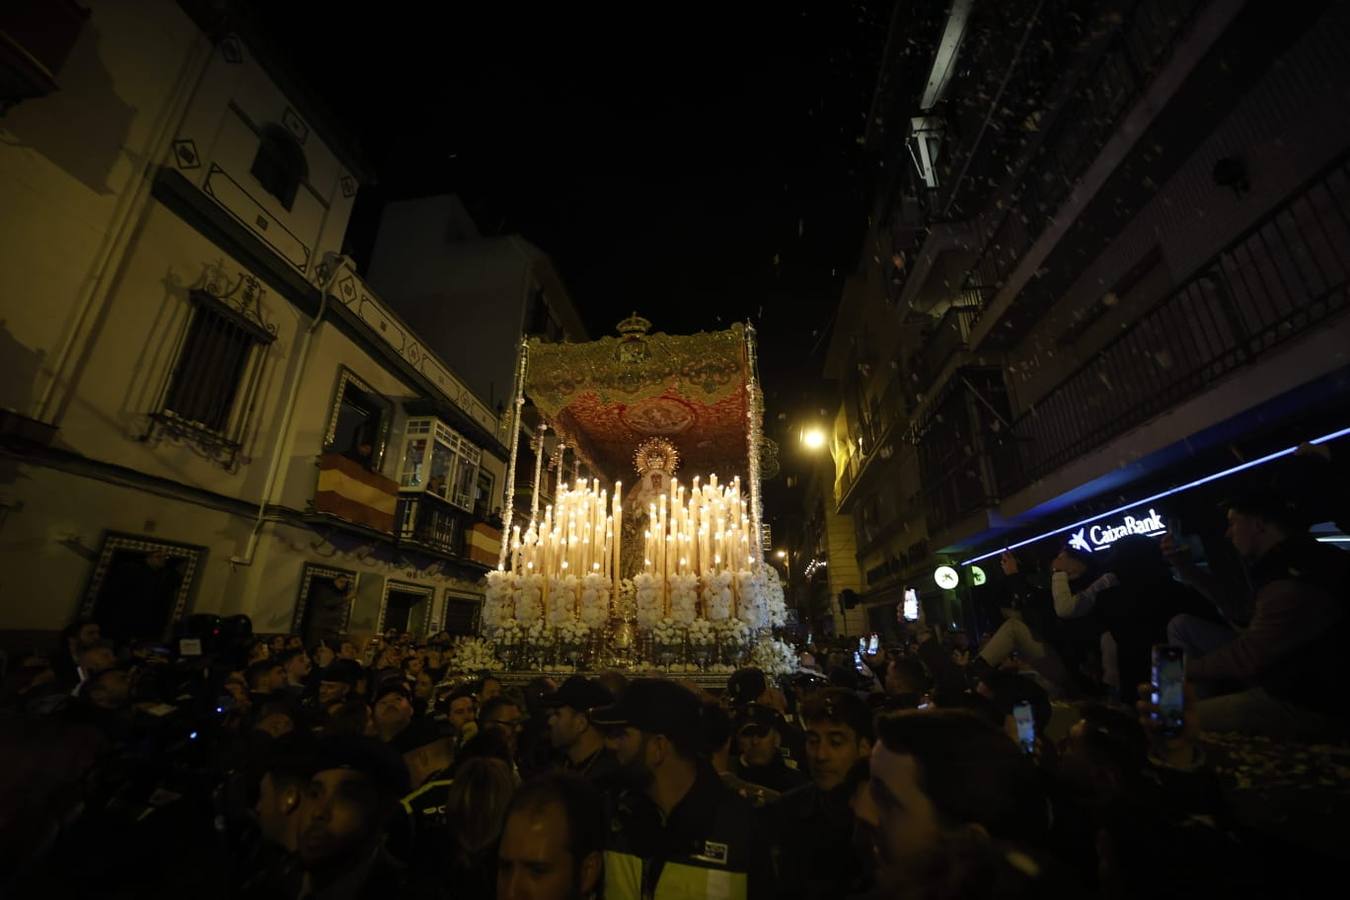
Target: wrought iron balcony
(1076, 135)
(430, 523)
(1282, 278)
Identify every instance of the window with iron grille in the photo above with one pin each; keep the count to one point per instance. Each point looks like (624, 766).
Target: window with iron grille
(217, 371)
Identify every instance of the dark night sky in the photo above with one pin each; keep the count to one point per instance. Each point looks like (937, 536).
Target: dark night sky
(696, 163)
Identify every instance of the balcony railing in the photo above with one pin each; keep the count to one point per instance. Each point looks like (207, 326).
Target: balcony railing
(1280, 279)
(428, 522)
(1078, 132)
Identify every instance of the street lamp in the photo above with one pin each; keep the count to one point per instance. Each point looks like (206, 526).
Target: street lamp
(781, 554)
(813, 438)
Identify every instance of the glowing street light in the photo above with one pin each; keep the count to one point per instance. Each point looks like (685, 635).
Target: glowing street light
(781, 554)
(813, 438)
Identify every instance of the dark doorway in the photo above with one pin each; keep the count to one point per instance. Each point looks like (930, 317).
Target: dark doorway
(399, 609)
(461, 616)
(138, 595)
(325, 604)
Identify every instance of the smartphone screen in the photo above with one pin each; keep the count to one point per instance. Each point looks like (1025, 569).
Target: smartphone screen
(1169, 691)
(857, 660)
(1026, 726)
(911, 605)
(874, 644)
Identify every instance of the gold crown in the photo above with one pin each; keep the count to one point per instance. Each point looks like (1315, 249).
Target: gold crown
(634, 325)
(656, 455)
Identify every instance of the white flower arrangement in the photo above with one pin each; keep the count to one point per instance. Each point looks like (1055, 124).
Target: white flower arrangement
(626, 608)
(683, 598)
(498, 599)
(509, 633)
(572, 632)
(733, 633)
(667, 631)
(751, 589)
(562, 600)
(472, 654)
(702, 633)
(530, 599)
(538, 633)
(647, 597)
(717, 596)
(773, 657)
(775, 602)
(594, 603)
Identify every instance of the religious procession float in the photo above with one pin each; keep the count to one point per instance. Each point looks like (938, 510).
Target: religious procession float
(650, 556)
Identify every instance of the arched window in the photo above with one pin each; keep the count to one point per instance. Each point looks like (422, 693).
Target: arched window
(279, 164)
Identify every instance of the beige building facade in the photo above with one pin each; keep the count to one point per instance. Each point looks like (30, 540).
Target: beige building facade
(204, 408)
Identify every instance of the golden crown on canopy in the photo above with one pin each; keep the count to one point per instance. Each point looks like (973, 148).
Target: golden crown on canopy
(656, 455)
(634, 325)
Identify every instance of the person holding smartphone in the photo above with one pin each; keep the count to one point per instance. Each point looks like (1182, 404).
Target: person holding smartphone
(1287, 663)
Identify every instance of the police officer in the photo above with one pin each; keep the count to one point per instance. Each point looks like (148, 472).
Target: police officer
(761, 759)
(572, 734)
(814, 854)
(677, 830)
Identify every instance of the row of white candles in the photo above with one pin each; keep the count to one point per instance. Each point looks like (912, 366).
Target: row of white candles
(578, 536)
(706, 534)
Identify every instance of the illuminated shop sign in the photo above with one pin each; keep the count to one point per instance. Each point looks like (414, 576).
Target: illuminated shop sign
(1099, 536)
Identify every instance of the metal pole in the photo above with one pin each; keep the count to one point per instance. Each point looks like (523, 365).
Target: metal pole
(754, 414)
(522, 363)
(538, 445)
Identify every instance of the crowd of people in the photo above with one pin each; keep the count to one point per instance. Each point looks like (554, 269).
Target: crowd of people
(255, 767)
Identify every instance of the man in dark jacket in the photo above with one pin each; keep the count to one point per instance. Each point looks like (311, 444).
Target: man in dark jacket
(814, 849)
(677, 830)
(759, 738)
(1287, 660)
(572, 734)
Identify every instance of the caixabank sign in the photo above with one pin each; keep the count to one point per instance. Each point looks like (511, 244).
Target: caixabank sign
(1101, 535)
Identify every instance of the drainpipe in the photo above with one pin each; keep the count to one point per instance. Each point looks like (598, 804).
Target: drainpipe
(335, 264)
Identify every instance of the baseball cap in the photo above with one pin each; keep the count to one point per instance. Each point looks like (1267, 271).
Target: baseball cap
(391, 686)
(746, 686)
(655, 706)
(760, 719)
(346, 671)
(580, 693)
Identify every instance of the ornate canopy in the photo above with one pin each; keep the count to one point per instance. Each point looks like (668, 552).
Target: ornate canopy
(610, 395)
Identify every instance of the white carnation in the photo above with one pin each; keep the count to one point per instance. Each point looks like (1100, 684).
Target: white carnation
(530, 599)
(648, 600)
(562, 600)
(717, 596)
(473, 655)
(774, 657)
(594, 604)
(683, 598)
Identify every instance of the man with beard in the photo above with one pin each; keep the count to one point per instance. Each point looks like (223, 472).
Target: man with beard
(572, 734)
(677, 830)
(553, 840)
(814, 854)
(348, 805)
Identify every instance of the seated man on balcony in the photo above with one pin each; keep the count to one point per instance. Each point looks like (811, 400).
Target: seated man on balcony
(1287, 661)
